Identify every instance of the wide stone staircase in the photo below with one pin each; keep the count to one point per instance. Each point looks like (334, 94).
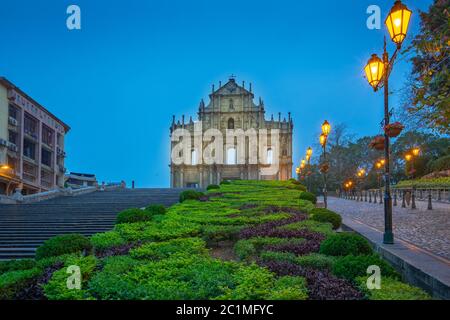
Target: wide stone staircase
(24, 227)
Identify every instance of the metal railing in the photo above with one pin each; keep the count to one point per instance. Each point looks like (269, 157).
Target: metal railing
(404, 197)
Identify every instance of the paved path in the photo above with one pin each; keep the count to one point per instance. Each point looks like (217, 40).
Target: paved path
(427, 229)
(24, 227)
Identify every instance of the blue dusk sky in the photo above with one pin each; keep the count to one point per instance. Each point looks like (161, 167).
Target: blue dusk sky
(118, 81)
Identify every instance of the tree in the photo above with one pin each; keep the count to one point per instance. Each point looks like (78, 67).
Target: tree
(428, 99)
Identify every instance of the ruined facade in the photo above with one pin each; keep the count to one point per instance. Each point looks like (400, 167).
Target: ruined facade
(232, 109)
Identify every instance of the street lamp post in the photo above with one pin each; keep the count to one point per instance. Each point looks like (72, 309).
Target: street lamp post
(309, 152)
(360, 174)
(326, 128)
(409, 157)
(377, 73)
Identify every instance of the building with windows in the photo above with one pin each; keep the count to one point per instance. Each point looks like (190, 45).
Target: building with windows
(81, 180)
(231, 109)
(31, 143)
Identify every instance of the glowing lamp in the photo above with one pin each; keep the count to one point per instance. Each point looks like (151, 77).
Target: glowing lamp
(397, 22)
(323, 139)
(326, 128)
(374, 71)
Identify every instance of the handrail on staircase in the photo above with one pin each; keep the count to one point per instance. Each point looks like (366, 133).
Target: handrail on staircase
(17, 197)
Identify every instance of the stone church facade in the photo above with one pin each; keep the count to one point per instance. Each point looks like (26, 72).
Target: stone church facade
(232, 107)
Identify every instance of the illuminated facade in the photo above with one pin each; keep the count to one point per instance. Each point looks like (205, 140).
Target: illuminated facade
(231, 107)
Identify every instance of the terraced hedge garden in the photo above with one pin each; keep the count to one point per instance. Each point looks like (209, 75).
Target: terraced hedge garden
(241, 240)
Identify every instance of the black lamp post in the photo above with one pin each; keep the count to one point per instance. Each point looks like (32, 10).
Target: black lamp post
(377, 73)
(326, 128)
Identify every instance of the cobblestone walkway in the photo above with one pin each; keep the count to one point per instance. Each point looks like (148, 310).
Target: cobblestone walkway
(427, 229)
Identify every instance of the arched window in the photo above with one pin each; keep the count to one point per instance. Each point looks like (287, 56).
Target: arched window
(230, 123)
(194, 157)
(269, 156)
(231, 156)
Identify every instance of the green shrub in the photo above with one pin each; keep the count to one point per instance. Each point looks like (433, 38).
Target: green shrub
(278, 256)
(161, 250)
(322, 227)
(190, 195)
(133, 215)
(63, 244)
(316, 261)
(156, 209)
(215, 233)
(289, 288)
(308, 196)
(13, 282)
(247, 249)
(57, 289)
(181, 276)
(16, 265)
(212, 187)
(305, 206)
(351, 267)
(157, 231)
(106, 240)
(345, 243)
(325, 215)
(392, 289)
(225, 182)
(253, 283)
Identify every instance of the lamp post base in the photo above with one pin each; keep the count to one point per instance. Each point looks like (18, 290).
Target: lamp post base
(388, 237)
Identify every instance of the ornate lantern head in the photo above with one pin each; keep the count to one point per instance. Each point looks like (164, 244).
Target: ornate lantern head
(397, 22)
(374, 71)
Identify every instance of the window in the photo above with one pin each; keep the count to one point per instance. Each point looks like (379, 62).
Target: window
(47, 135)
(30, 126)
(13, 112)
(12, 162)
(29, 149)
(231, 156)
(194, 157)
(46, 157)
(269, 156)
(13, 137)
(230, 123)
(231, 104)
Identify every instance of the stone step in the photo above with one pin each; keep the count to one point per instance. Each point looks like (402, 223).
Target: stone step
(24, 227)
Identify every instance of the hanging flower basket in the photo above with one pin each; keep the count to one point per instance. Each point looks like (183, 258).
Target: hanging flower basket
(377, 143)
(324, 168)
(393, 129)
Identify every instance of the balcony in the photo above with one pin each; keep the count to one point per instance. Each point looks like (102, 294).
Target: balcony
(3, 143)
(31, 134)
(13, 122)
(12, 147)
(60, 152)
